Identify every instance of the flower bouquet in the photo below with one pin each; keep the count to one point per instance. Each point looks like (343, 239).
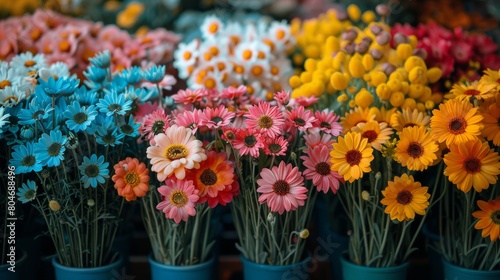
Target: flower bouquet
(466, 125)
(62, 137)
(383, 95)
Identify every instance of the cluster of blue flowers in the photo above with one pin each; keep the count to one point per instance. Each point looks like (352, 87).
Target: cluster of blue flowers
(72, 126)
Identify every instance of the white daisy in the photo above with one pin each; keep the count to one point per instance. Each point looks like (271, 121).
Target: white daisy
(27, 63)
(8, 77)
(56, 70)
(211, 26)
(11, 96)
(279, 33)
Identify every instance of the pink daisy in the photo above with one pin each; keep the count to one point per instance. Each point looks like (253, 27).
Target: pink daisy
(179, 199)
(189, 119)
(153, 124)
(306, 101)
(327, 122)
(282, 188)
(265, 118)
(318, 164)
(190, 96)
(275, 146)
(175, 151)
(300, 118)
(233, 93)
(216, 118)
(144, 109)
(166, 83)
(316, 139)
(229, 134)
(248, 141)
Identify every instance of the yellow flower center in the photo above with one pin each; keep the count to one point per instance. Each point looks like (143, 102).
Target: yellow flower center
(415, 150)
(404, 197)
(29, 63)
(210, 83)
(132, 179)
(64, 46)
(247, 54)
(212, 28)
(187, 55)
(4, 84)
(265, 121)
(280, 34)
(9, 98)
(275, 70)
(457, 125)
(257, 70)
(178, 198)
(208, 177)
(322, 168)
(353, 157)
(472, 165)
(176, 151)
(281, 187)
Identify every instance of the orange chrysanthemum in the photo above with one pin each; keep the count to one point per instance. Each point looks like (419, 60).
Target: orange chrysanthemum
(489, 219)
(214, 174)
(404, 197)
(456, 122)
(491, 123)
(415, 148)
(472, 164)
(131, 178)
(351, 156)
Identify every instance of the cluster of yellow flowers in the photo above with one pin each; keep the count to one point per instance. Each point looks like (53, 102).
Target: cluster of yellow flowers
(360, 66)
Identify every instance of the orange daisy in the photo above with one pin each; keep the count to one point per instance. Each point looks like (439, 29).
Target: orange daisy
(131, 178)
(472, 164)
(491, 123)
(456, 121)
(376, 133)
(408, 117)
(489, 218)
(416, 149)
(356, 116)
(477, 89)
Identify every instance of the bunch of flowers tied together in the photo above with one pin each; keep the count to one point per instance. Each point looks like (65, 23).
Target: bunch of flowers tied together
(216, 147)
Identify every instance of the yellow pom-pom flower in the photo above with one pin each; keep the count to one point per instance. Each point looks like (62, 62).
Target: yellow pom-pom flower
(397, 99)
(377, 78)
(339, 81)
(418, 75)
(356, 67)
(434, 74)
(353, 12)
(368, 62)
(294, 81)
(363, 98)
(404, 51)
(383, 91)
(368, 17)
(414, 61)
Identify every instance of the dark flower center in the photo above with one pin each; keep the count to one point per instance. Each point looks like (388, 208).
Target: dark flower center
(415, 150)
(158, 127)
(250, 141)
(353, 157)
(325, 125)
(322, 168)
(109, 138)
(80, 117)
(472, 165)
(299, 122)
(275, 148)
(265, 122)
(217, 119)
(472, 92)
(281, 187)
(495, 217)
(178, 198)
(54, 149)
(92, 170)
(127, 129)
(208, 177)
(457, 126)
(371, 135)
(28, 160)
(404, 197)
(37, 115)
(132, 179)
(114, 107)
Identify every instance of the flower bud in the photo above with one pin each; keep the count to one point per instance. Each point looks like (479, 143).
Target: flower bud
(349, 48)
(376, 54)
(304, 233)
(383, 10)
(420, 53)
(45, 173)
(27, 132)
(388, 68)
(383, 38)
(375, 29)
(54, 205)
(350, 34)
(400, 38)
(378, 175)
(361, 47)
(365, 195)
(90, 202)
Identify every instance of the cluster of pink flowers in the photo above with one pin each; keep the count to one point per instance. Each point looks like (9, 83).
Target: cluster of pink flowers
(73, 41)
(454, 51)
(193, 141)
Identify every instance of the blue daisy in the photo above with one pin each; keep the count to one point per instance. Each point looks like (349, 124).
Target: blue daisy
(114, 104)
(118, 84)
(109, 136)
(155, 74)
(24, 159)
(50, 148)
(86, 97)
(61, 86)
(95, 74)
(131, 128)
(102, 59)
(34, 113)
(78, 117)
(132, 75)
(94, 170)
(27, 192)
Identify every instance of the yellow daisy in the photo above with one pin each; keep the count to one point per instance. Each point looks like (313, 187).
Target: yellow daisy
(472, 164)
(351, 156)
(384, 115)
(404, 197)
(355, 116)
(456, 121)
(489, 218)
(416, 149)
(376, 133)
(491, 76)
(477, 89)
(408, 117)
